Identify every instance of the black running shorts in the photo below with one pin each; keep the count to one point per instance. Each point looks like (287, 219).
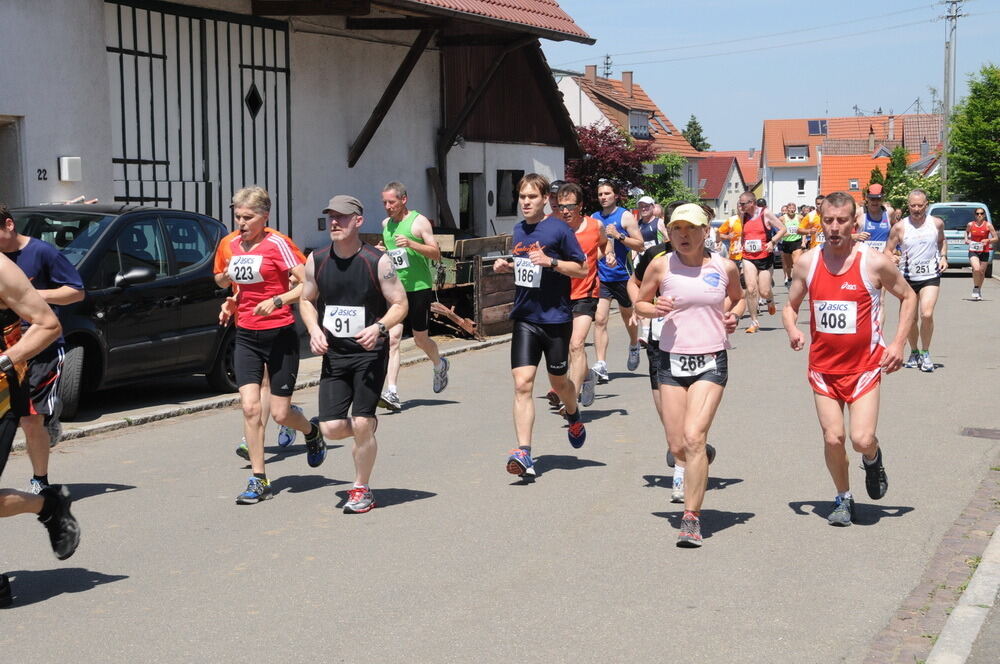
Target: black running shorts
(917, 286)
(44, 370)
(762, 264)
(688, 364)
(419, 314)
(585, 306)
(277, 349)
(653, 355)
(352, 382)
(618, 291)
(531, 340)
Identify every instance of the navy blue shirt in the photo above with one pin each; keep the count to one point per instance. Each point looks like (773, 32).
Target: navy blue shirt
(549, 303)
(46, 268)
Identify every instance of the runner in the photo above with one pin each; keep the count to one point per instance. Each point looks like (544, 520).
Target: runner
(554, 197)
(873, 224)
(847, 354)
(361, 298)
(731, 231)
(758, 254)
(408, 238)
(695, 288)
(650, 227)
(546, 256)
(623, 233)
(811, 227)
(261, 265)
(286, 435)
(583, 292)
(791, 243)
(981, 237)
(21, 302)
(58, 282)
(923, 258)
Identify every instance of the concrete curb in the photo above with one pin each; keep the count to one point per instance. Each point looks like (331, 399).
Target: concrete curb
(962, 627)
(228, 400)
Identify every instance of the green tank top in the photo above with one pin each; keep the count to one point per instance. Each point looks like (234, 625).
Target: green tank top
(792, 228)
(414, 268)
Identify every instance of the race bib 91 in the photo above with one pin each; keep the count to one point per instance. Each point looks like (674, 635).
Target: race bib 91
(344, 321)
(526, 273)
(245, 269)
(976, 247)
(835, 316)
(753, 246)
(400, 258)
(682, 366)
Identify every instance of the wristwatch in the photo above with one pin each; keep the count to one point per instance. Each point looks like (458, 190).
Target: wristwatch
(5, 364)
(383, 331)
(554, 263)
(277, 302)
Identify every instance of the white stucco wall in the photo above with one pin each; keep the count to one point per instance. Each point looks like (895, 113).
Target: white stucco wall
(582, 111)
(781, 185)
(55, 81)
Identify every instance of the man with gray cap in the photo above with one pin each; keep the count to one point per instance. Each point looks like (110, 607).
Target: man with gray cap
(360, 297)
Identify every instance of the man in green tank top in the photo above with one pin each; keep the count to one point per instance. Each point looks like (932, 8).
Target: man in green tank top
(409, 240)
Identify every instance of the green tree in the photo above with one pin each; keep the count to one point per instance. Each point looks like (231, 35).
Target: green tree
(909, 180)
(876, 177)
(693, 133)
(896, 169)
(974, 154)
(665, 183)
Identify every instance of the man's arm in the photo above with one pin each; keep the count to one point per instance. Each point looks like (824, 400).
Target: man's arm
(774, 223)
(895, 237)
(796, 293)
(395, 296)
(634, 238)
(892, 280)
(307, 310)
(19, 295)
(428, 246)
(942, 244)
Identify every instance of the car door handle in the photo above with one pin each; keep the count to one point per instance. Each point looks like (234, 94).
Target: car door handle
(170, 301)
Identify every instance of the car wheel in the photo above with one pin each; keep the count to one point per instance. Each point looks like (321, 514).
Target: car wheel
(71, 382)
(222, 377)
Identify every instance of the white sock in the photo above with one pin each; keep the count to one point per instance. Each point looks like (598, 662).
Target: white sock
(678, 472)
(846, 494)
(360, 486)
(392, 388)
(439, 366)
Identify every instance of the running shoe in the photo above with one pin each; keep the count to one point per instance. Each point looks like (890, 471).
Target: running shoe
(35, 486)
(677, 493)
(976, 296)
(601, 370)
(875, 480)
(926, 363)
(913, 361)
(587, 391)
(577, 434)
(315, 446)
(360, 500)
(553, 398)
(286, 435)
(633, 357)
(64, 531)
(390, 401)
(257, 490)
(709, 450)
(520, 463)
(788, 282)
(753, 329)
(690, 535)
(6, 599)
(440, 380)
(54, 427)
(242, 451)
(843, 512)
(771, 309)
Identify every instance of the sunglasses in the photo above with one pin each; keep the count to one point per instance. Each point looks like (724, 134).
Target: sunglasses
(568, 206)
(980, 214)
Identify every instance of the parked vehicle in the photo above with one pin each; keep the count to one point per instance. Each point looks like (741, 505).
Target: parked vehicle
(151, 306)
(956, 216)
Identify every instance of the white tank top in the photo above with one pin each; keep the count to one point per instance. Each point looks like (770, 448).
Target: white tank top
(919, 248)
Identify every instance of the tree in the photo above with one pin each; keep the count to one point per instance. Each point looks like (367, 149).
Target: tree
(974, 154)
(909, 180)
(692, 132)
(665, 184)
(896, 169)
(876, 177)
(608, 154)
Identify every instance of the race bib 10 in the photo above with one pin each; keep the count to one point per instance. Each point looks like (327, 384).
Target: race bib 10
(753, 246)
(400, 258)
(835, 316)
(682, 366)
(344, 321)
(245, 269)
(526, 273)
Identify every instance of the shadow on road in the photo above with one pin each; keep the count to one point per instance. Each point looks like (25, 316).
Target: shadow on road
(865, 514)
(81, 491)
(592, 414)
(390, 497)
(413, 403)
(30, 587)
(547, 462)
(302, 483)
(281, 453)
(712, 521)
(667, 482)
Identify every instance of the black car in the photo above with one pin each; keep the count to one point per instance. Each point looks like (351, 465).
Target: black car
(152, 304)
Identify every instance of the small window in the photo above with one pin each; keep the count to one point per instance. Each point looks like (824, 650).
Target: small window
(817, 127)
(140, 244)
(188, 240)
(507, 192)
(802, 187)
(638, 124)
(797, 152)
(852, 184)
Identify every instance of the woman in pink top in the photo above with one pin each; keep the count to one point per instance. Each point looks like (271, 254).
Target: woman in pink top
(697, 291)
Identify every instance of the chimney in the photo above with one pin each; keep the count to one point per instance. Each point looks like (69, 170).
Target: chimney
(750, 153)
(627, 82)
(924, 148)
(871, 138)
(590, 73)
(892, 127)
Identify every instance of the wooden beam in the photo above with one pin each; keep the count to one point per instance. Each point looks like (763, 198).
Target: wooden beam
(447, 218)
(389, 96)
(412, 23)
(310, 7)
(493, 39)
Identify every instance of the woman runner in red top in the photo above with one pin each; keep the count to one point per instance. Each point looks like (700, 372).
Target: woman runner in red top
(847, 355)
(758, 254)
(981, 237)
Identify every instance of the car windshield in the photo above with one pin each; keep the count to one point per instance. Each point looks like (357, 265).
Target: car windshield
(955, 217)
(73, 233)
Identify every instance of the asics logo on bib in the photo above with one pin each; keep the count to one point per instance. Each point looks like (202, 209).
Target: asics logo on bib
(833, 306)
(848, 286)
(352, 312)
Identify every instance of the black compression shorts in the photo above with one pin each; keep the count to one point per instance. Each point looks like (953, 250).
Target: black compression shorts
(531, 340)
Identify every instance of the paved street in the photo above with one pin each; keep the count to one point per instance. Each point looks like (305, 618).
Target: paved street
(462, 563)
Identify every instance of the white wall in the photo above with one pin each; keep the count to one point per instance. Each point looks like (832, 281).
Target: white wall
(582, 111)
(781, 186)
(55, 80)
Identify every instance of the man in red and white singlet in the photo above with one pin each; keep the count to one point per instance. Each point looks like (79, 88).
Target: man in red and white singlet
(847, 354)
(758, 254)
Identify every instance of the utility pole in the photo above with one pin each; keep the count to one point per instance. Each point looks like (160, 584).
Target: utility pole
(950, 45)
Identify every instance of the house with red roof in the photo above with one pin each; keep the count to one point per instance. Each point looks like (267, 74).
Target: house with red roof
(622, 103)
(749, 161)
(721, 183)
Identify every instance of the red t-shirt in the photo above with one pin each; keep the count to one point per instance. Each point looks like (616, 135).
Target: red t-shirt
(261, 274)
(755, 236)
(589, 239)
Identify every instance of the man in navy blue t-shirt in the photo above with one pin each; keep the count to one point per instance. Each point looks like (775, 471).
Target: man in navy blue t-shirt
(58, 282)
(546, 255)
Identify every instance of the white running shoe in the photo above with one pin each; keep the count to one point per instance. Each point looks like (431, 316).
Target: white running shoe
(633, 357)
(926, 363)
(286, 435)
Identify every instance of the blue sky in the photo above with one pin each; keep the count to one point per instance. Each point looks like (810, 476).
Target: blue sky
(811, 58)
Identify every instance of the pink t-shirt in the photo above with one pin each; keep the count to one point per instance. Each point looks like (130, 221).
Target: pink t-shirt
(696, 324)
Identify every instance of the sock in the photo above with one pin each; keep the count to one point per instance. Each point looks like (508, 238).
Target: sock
(392, 388)
(48, 507)
(865, 460)
(313, 430)
(361, 486)
(262, 477)
(925, 352)
(573, 417)
(692, 513)
(44, 479)
(678, 473)
(846, 494)
(439, 366)
(526, 448)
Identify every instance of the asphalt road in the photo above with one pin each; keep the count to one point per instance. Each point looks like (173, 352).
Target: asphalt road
(462, 563)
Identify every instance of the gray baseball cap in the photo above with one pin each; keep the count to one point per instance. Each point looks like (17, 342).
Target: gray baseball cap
(344, 204)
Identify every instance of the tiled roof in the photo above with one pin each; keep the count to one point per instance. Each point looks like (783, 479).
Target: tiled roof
(714, 170)
(847, 146)
(918, 127)
(838, 171)
(749, 161)
(778, 134)
(545, 16)
(614, 103)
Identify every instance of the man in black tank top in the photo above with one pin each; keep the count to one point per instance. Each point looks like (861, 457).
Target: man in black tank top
(359, 297)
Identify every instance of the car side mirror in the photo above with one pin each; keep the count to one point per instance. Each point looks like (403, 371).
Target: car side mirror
(135, 275)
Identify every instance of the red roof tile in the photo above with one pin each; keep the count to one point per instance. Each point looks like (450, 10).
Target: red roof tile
(838, 171)
(614, 102)
(749, 161)
(545, 16)
(714, 170)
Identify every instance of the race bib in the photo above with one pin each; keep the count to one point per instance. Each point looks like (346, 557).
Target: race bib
(526, 273)
(648, 243)
(876, 245)
(820, 238)
(976, 247)
(400, 258)
(655, 327)
(924, 268)
(835, 316)
(344, 321)
(691, 365)
(753, 246)
(245, 269)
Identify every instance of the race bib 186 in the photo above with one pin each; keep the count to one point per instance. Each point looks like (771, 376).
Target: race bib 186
(344, 321)
(835, 316)
(526, 273)
(691, 365)
(245, 269)
(753, 246)
(400, 258)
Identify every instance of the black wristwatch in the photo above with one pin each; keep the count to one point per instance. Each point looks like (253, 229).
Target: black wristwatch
(554, 263)
(5, 364)
(383, 331)
(277, 302)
